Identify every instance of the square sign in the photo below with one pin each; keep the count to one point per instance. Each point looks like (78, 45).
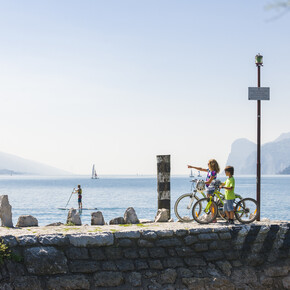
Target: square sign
(262, 94)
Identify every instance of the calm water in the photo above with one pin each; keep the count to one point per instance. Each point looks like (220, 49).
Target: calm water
(40, 196)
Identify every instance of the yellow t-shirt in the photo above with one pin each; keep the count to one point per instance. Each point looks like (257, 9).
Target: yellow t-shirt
(230, 194)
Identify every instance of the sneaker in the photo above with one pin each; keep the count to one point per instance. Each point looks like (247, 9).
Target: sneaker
(231, 222)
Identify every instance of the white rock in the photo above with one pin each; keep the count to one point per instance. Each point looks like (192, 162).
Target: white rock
(5, 212)
(74, 217)
(162, 215)
(97, 218)
(130, 216)
(27, 221)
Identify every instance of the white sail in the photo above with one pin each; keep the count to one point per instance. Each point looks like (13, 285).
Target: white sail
(93, 171)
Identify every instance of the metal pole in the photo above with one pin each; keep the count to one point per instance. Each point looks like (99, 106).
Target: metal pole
(163, 182)
(259, 146)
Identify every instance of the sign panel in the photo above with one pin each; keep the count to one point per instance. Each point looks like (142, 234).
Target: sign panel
(262, 94)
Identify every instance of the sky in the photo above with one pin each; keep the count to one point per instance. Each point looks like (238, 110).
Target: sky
(115, 83)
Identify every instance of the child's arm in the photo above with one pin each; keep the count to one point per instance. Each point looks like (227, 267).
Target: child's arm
(227, 188)
(197, 168)
(210, 180)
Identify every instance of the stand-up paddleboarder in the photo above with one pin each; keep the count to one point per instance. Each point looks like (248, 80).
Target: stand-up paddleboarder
(79, 191)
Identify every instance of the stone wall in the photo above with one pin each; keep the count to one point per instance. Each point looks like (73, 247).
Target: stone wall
(238, 257)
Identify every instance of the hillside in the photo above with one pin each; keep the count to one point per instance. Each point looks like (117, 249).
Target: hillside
(16, 165)
(275, 156)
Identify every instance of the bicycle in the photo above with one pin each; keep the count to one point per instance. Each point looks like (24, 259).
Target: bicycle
(205, 210)
(183, 205)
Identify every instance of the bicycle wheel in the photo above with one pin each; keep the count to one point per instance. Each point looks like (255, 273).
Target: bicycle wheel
(202, 213)
(246, 210)
(220, 206)
(182, 207)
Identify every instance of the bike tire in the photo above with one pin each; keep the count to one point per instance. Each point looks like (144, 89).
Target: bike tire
(180, 210)
(200, 214)
(247, 210)
(220, 206)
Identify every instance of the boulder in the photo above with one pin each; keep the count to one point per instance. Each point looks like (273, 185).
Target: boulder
(130, 216)
(97, 218)
(162, 215)
(117, 221)
(27, 221)
(74, 217)
(5, 212)
(57, 224)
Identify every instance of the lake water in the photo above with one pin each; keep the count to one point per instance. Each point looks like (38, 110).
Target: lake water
(41, 196)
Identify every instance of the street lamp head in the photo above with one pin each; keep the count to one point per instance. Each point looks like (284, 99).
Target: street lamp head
(259, 60)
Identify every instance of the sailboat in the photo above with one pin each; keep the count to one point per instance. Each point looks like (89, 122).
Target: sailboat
(94, 173)
(191, 174)
(198, 174)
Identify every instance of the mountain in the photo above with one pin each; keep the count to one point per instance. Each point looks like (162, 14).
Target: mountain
(16, 165)
(275, 156)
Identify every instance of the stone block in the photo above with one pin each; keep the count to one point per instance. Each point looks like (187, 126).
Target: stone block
(225, 236)
(81, 266)
(53, 240)
(208, 237)
(125, 243)
(214, 255)
(145, 243)
(97, 219)
(57, 224)
(5, 212)
(77, 253)
(28, 240)
(113, 253)
(117, 221)
(195, 261)
(108, 279)
(162, 215)
(73, 217)
(135, 279)
(71, 282)
(184, 273)
(171, 252)
(131, 253)
(155, 264)
(200, 247)
(14, 269)
(96, 240)
(10, 241)
(165, 233)
(286, 282)
(130, 216)
(173, 262)
(185, 251)
(45, 261)
(141, 265)
(127, 235)
(181, 233)
(168, 276)
(276, 271)
(149, 235)
(27, 221)
(27, 283)
(125, 265)
(232, 255)
(246, 275)
(190, 240)
(225, 267)
(109, 266)
(170, 242)
(157, 252)
(98, 254)
(200, 231)
(143, 253)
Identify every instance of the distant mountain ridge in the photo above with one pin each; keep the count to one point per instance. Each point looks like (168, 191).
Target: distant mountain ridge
(275, 156)
(11, 164)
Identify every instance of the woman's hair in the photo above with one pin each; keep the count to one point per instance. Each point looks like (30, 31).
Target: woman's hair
(79, 186)
(214, 165)
(230, 169)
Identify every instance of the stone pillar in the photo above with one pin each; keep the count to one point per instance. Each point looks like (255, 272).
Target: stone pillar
(5, 212)
(163, 182)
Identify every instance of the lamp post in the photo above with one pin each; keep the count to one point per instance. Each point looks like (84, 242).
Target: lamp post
(259, 63)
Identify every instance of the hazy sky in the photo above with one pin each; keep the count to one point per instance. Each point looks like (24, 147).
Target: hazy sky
(117, 82)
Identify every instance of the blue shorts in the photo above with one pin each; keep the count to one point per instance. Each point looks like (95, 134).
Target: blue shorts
(229, 205)
(79, 199)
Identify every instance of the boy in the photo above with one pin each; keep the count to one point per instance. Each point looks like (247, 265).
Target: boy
(79, 192)
(229, 186)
